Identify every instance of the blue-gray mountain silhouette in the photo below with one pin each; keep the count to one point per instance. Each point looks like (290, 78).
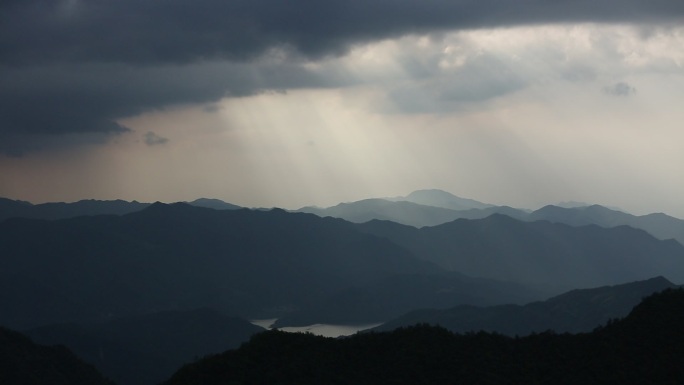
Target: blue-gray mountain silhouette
(407, 213)
(441, 198)
(659, 225)
(59, 210)
(258, 264)
(580, 310)
(555, 256)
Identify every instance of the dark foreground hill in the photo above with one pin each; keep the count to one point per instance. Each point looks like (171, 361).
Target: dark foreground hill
(145, 350)
(647, 347)
(23, 362)
(576, 311)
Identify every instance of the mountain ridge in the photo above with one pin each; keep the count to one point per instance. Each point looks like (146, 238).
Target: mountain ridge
(576, 311)
(551, 254)
(248, 262)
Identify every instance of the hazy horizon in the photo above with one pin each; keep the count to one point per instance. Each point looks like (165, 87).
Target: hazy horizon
(564, 204)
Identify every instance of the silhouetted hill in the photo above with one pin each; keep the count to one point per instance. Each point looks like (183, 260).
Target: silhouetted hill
(425, 212)
(60, 210)
(440, 198)
(647, 347)
(23, 362)
(147, 349)
(552, 255)
(257, 264)
(407, 213)
(10, 208)
(659, 225)
(392, 296)
(484, 213)
(215, 204)
(576, 311)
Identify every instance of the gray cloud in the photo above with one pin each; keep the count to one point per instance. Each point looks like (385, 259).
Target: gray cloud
(181, 31)
(89, 98)
(152, 139)
(619, 89)
(76, 67)
(479, 79)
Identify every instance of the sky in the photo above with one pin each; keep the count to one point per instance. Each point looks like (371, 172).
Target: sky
(267, 103)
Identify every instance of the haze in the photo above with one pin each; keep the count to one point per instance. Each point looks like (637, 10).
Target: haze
(262, 104)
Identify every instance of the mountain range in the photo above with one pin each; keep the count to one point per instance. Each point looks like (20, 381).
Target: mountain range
(264, 264)
(419, 208)
(138, 289)
(59, 210)
(577, 311)
(445, 207)
(253, 263)
(554, 257)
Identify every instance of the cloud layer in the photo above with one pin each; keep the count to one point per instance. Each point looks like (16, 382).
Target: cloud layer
(179, 31)
(78, 67)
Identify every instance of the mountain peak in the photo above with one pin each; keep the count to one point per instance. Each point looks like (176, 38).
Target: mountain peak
(161, 207)
(441, 198)
(215, 204)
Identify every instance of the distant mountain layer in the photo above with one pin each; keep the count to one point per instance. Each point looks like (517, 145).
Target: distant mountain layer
(215, 204)
(659, 225)
(60, 210)
(258, 264)
(420, 208)
(553, 255)
(407, 213)
(646, 347)
(440, 198)
(147, 349)
(573, 312)
(26, 363)
(424, 212)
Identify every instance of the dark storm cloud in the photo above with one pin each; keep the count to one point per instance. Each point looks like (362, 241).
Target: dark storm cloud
(89, 98)
(181, 31)
(78, 66)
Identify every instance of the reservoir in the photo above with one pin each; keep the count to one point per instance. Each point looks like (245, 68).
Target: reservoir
(326, 330)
